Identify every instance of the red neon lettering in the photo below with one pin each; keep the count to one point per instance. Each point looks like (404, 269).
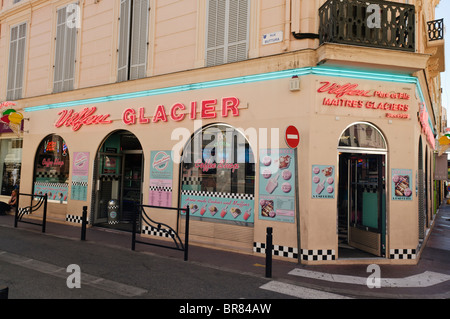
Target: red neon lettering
(77, 120)
(193, 114)
(230, 104)
(341, 90)
(142, 118)
(209, 109)
(173, 112)
(160, 114)
(129, 117)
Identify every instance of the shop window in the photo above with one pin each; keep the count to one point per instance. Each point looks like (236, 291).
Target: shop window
(218, 175)
(362, 135)
(51, 169)
(10, 164)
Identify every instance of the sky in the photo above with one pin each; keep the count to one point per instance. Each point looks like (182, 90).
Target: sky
(443, 11)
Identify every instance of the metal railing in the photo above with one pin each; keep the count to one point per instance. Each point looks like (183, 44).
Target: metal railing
(435, 30)
(141, 216)
(351, 22)
(39, 201)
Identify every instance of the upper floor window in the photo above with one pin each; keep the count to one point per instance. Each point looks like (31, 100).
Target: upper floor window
(16, 62)
(227, 31)
(65, 52)
(133, 39)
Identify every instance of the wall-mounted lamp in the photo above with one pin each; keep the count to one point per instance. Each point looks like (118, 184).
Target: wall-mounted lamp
(294, 83)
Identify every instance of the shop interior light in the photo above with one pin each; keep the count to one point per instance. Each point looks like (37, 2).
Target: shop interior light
(286, 74)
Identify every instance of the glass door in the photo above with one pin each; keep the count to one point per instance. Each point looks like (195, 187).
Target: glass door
(132, 183)
(366, 202)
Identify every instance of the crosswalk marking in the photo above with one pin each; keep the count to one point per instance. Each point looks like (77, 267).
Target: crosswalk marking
(425, 279)
(299, 292)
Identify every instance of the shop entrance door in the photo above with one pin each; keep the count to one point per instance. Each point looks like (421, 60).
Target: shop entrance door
(119, 168)
(362, 206)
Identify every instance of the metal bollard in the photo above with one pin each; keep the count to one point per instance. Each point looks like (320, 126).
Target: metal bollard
(4, 293)
(84, 223)
(269, 247)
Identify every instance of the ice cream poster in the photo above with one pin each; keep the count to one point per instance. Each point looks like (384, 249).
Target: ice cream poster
(209, 206)
(401, 184)
(277, 185)
(323, 181)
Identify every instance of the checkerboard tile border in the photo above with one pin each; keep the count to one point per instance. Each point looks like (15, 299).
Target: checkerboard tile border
(217, 194)
(402, 254)
(74, 219)
(152, 231)
(282, 251)
(318, 254)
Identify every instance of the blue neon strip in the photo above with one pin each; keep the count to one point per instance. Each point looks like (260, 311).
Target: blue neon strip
(321, 70)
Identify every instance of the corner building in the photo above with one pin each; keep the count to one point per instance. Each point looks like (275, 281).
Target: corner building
(186, 103)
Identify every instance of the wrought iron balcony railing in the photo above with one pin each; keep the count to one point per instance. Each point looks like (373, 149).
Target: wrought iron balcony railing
(374, 23)
(435, 30)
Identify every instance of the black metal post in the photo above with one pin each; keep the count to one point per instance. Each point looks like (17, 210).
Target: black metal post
(16, 214)
(269, 247)
(4, 293)
(186, 235)
(44, 220)
(133, 236)
(84, 223)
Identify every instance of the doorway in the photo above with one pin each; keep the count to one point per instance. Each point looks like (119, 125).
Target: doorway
(118, 170)
(361, 211)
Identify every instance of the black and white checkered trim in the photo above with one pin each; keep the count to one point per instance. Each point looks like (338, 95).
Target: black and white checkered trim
(85, 184)
(318, 254)
(53, 185)
(283, 251)
(152, 231)
(74, 219)
(192, 180)
(402, 254)
(217, 194)
(24, 210)
(161, 188)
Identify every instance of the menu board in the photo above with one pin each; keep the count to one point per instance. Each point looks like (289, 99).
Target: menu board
(80, 173)
(161, 176)
(401, 184)
(277, 185)
(323, 181)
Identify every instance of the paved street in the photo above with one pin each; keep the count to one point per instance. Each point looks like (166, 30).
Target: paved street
(35, 266)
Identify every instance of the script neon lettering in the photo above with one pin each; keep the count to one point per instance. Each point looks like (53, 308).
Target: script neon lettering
(77, 120)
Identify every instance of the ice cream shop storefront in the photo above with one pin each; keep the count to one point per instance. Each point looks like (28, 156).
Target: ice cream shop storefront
(349, 189)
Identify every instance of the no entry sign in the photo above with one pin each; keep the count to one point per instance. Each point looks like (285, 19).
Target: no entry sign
(292, 136)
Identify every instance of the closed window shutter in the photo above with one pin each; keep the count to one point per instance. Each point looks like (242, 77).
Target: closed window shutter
(227, 31)
(65, 53)
(16, 62)
(138, 58)
(124, 40)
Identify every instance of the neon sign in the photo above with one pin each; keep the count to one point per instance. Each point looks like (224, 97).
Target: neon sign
(207, 109)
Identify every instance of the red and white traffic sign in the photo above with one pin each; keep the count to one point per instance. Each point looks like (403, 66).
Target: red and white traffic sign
(292, 136)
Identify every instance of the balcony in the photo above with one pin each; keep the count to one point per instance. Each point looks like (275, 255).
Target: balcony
(371, 23)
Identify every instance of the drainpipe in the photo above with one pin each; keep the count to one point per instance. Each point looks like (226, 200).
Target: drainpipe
(287, 25)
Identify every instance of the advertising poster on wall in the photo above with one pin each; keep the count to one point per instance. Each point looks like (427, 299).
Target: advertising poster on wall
(277, 185)
(80, 173)
(161, 178)
(323, 181)
(220, 206)
(401, 184)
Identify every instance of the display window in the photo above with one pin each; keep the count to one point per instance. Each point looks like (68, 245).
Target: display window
(51, 169)
(218, 175)
(10, 164)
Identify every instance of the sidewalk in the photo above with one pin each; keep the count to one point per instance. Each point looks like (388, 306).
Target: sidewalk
(430, 278)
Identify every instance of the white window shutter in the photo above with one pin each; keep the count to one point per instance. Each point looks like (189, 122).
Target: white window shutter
(16, 62)
(124, 40)
(227, 31)
(139, 36)
(65, 53)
